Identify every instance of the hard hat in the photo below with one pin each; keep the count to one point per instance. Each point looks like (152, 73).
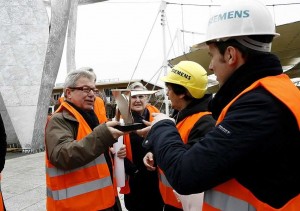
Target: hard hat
(240, 18)
(190, 75)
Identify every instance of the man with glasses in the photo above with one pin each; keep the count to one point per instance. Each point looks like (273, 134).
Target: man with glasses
(141, 187)
(78, 166)
(99, 106)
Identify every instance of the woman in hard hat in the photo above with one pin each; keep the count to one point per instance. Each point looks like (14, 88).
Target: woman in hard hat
(186, 83)
(141, 186)
(249, 160)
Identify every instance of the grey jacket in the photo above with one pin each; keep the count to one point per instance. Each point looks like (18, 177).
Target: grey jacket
(64, 151)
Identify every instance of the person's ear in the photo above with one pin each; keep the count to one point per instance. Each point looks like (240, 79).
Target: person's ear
(181, 96)
(68, 94)
(231, 56)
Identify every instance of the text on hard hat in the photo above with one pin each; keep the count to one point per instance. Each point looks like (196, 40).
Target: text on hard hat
(182, 74)
(229, 15)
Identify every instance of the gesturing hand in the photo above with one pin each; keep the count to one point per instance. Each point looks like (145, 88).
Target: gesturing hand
(149, 161)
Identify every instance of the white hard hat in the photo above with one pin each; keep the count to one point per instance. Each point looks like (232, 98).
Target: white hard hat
(239, 19)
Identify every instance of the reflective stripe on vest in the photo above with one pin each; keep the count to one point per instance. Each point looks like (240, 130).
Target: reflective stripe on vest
(53, 172)
(231, 195)
(79, 189)
(163, 179)
(85, 188)
(184, 128)
(126, 140)
(223, 202)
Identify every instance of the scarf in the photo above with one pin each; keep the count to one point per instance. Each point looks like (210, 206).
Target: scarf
(89, 116)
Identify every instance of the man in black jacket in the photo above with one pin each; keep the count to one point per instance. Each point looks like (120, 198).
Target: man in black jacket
(3, 145)
(249, 160)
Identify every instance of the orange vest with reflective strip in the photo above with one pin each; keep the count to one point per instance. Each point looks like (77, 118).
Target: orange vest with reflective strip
(126, 140)
(184, 128)
(1, 197)
(85, 188)
(231, 195)
(99, 109)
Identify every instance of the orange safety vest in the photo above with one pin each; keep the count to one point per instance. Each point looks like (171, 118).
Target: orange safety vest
(231, 195)
(1, 197)
(61, 99)
(85, 188)
(99, 109)
(126, 140)
(184, 128)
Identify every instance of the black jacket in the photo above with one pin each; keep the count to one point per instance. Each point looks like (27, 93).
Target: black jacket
(144, 193)
(257, 142)
(3, 144)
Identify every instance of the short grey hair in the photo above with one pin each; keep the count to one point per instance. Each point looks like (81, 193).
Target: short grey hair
(75, 75)
(90, 70)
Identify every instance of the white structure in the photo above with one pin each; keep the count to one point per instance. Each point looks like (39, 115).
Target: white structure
(30, 56)
(24, 30)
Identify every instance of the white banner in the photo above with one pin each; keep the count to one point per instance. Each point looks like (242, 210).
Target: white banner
(119, 164)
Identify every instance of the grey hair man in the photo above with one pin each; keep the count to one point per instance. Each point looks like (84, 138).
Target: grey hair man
(78, 167)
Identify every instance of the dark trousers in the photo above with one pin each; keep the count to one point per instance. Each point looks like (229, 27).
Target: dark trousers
(171, 208)
(117, 206)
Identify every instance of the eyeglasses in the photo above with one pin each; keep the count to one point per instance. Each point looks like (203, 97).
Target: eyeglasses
(86, 89)
(138, 96)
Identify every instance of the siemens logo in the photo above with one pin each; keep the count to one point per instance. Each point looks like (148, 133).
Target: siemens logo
(229, 15)
(181, 74)
(224, 130)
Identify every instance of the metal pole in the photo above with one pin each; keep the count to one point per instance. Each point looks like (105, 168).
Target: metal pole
(71, 37)
(165, 64)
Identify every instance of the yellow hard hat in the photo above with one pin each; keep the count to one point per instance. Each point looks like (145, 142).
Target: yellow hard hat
(190, 75)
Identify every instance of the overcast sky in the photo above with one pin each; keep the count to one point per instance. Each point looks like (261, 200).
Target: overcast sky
(112, 35)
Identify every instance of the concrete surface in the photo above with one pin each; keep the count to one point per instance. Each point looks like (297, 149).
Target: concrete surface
(23, 182)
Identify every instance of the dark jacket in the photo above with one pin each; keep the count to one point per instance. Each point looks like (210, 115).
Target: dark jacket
(3, 144)
(144, 193)
(203, 125)
(257, 142)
